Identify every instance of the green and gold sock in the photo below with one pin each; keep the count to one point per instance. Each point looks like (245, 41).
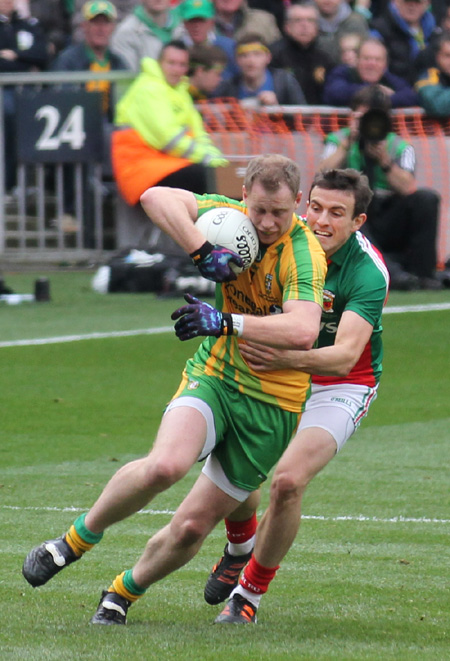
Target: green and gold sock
(125, 585)
(79, 538)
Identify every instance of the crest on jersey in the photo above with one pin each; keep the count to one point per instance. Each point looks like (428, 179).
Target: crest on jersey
(268, 283)
(328, 300)
(193, 385)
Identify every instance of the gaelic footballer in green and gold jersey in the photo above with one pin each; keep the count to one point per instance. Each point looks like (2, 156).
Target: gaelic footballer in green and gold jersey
(291, 268)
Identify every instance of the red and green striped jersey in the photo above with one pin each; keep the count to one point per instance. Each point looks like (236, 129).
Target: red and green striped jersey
(357, 280)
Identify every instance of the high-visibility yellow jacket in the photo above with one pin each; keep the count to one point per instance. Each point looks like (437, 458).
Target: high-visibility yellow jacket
(165, 117)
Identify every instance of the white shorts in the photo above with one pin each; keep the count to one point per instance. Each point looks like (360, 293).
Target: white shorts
(214, 471)
(338, 409)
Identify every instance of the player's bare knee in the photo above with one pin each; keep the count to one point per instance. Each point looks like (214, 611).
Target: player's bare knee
(285, 488)
(188, 531)
(163, 473)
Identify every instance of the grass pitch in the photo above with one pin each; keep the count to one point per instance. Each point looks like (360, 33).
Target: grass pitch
(367, 577)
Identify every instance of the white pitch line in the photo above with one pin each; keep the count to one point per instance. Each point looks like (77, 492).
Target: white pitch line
(430, 307)
(168, 329)
(310, 517)
(87, 336)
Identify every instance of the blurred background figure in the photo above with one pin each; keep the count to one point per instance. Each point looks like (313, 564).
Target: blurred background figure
(257, 83)
(160, 137)
(348, 48)
(23, 47)
(371, 69)
(94, 54)
(337, 18)
(206, 67)
(275, 7)
(54, 17)
(405, 27)
(299, 51)
(427, 57)
(199, 29)
(402, 219)
(150, 25)
(123, 8)
(234, 18)
(434, 84)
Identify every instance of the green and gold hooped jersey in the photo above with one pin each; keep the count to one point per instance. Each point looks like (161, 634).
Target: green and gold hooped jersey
(292, 268)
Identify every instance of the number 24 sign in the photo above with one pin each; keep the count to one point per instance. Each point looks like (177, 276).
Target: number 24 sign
(59, 126)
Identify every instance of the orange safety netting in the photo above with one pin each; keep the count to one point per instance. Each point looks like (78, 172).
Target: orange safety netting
(242, 132)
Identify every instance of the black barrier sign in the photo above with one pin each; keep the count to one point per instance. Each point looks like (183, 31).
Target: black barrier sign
(59, 127)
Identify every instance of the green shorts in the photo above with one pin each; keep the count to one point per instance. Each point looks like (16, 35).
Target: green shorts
(246, 436)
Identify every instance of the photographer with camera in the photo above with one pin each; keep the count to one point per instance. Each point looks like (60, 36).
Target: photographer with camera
(402, 219)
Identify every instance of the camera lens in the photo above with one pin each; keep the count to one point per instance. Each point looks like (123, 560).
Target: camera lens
(374, 125)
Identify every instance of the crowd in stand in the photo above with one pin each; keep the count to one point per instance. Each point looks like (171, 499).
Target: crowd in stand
(287, 52)
(330, 47)
(261, 52)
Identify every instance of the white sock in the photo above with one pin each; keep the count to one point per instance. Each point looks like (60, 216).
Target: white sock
(241, 549)
(253, 598)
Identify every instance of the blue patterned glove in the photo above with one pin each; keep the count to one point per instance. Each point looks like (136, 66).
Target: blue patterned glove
(216, 262)
(200, 318)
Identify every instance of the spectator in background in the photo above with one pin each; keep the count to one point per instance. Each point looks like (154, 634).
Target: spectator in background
(23, 47)
(406, 28)
(402, 219)
(206, 67)
(377, 7)
(427, 57)
(337, 18)
(123, 7)
(274, 7)
(151, 24)
(54, 19)
(160, 137)
(364, 7)
(371, 69)
(298, 51)
(444, 21)
(234, 18)
(349, 44)
(92, 54)
(433, 85)
(257, 83)
(199, 29)
(439, 9)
